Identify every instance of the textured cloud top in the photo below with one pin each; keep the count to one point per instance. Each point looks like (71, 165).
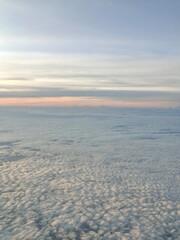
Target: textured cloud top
(89, 174)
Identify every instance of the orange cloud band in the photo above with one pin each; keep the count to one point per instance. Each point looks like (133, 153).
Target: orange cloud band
(79, 101)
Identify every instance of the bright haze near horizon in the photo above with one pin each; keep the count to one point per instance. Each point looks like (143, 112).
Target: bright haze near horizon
(93, 53)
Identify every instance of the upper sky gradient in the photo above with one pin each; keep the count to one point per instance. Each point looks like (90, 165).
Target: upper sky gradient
(98, 52)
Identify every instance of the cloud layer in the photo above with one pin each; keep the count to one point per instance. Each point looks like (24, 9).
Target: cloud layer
(78, 173)
(120, 78)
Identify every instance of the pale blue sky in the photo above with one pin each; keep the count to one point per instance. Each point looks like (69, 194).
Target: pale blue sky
(90, 26)
(97, 45)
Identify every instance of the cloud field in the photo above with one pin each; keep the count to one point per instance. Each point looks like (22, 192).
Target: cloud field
(89, 173)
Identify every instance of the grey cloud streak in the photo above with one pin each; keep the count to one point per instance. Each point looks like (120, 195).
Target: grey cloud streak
(15, 79)
(95, 76)
(116, 95)
(89, 72)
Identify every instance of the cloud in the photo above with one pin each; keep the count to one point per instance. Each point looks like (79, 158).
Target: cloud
(6, 79)
(78, 75)
(89, 174)
(58, 92)
(93, 71)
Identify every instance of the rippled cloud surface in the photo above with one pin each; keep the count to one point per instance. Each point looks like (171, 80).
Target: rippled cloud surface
(95, 173)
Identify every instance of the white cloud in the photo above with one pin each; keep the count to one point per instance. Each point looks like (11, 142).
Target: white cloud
(91, 173)
(89, 71)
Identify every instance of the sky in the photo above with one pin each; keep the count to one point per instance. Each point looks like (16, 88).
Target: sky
(90, 53)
